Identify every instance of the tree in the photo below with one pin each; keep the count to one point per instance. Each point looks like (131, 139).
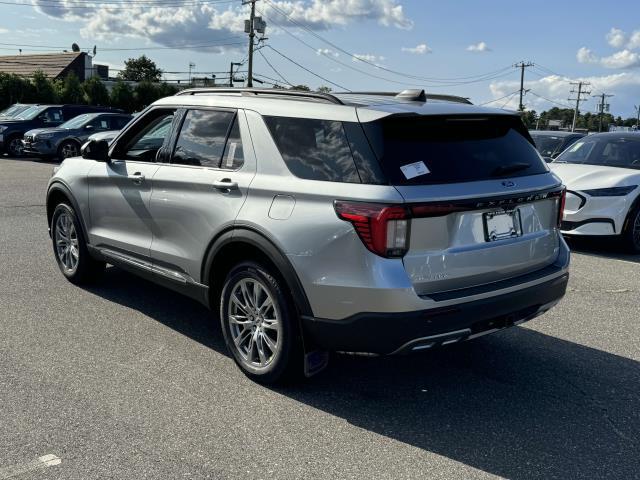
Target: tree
(14, 89)
(324, 89)
(122, 96)
(145, 94)
(95, 93)
(69, 89)
(139, 69)
(166, 90)
(75, 47)
(301, 87)
(43, 90)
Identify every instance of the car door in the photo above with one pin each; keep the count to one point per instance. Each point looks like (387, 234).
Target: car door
(120, 190)
(202, 190)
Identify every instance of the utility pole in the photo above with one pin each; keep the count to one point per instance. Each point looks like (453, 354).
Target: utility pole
(248, 28)
(578, 99)
(191, 65)
(601, 108)
(637, 107)
(522, 66)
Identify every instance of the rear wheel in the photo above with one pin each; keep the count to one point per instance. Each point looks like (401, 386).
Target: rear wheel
(259, 324)
(67, 149)
(70, 248)
(631, 235)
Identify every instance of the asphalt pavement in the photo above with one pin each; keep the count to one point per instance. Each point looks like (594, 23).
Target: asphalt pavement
(127, 380)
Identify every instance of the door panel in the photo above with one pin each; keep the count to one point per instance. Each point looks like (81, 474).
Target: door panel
(119, 206)
(190, 204)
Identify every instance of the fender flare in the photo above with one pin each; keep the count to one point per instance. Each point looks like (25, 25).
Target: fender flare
(58, 186)
(269, 249)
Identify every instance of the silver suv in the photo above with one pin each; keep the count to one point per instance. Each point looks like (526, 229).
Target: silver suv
(352, 222)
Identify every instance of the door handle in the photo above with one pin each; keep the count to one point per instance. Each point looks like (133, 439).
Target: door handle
(225, 184)
(136, 178)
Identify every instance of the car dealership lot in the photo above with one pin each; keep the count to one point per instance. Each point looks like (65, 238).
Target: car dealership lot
(128, 380)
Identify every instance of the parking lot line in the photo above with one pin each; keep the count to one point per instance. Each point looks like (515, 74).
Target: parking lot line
(43, 462)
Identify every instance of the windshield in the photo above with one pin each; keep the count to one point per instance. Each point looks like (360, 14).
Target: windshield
(78, 121)
(14, 109)
(623, 152)
(30, 113)
(547, 145)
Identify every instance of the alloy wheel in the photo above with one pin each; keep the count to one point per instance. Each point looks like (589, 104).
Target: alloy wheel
(636, 231)
(15, 147)
(70, 149)
(66, 238)
(254, 323)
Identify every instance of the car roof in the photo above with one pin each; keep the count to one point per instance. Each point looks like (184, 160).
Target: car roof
(555, 133)
(348, 106)
(614, 135)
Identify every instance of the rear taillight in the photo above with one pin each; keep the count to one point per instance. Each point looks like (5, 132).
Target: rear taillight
(384, 229)
(561, 202)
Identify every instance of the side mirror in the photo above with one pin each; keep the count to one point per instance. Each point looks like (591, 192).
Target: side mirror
(88, 127)
(97, 150)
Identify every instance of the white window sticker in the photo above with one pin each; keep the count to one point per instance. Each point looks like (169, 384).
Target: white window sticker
(232, 154)
(414, 170)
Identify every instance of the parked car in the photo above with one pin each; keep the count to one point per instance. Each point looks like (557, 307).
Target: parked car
(602, 174)
(552, 143)
(317, 222)
(109, 135)
(65, 141)
(39, 116)
(14, 110)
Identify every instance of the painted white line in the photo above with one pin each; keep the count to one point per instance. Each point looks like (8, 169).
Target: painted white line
(40, 463)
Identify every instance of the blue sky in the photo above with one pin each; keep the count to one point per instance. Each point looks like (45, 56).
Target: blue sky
(433, 44)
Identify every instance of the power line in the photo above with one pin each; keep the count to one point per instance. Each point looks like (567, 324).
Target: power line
(114, 49)
(498, 99)
(549, 100)
(118, 5)
(306, 69)
(274, 69)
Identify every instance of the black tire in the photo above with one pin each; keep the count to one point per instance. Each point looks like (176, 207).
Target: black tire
(68, 146)
(85, 269)
(13, 148)
(631, 233)
(286, 364)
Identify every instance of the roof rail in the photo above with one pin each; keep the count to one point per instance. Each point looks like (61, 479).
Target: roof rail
(264, 91)
(433, 96)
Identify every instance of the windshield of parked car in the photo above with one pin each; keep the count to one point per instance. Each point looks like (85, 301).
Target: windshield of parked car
(621, 152)
(14, 110)
(78, 121)
(30, 113)
(547, 145)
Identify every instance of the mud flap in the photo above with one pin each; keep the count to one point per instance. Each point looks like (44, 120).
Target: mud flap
(315, 362)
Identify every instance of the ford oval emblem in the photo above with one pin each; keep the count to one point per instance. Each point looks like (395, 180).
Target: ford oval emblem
(508, 184)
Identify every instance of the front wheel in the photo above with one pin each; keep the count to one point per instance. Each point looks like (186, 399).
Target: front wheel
(68, 149)
(631, 235)
(259, 324)
(70, 248)
(14, 146)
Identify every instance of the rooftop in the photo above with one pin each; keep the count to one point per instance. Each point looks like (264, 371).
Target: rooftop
(52, 64)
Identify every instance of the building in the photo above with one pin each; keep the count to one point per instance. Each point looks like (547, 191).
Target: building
(54, 65)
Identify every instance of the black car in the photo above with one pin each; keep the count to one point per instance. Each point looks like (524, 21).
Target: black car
(39, 116)
(550, 143)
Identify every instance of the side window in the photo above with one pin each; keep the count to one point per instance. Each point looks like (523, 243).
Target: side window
(118, 123)
(202, 138)
(52, 115)
(233, 157)
(100, 123)
(314, 149)
(147, 137)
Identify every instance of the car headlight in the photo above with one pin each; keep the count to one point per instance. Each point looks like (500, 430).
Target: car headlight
(43, 135)
(3, 128)
(611, 192)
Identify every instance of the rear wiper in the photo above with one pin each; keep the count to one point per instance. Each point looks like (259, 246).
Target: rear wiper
(512, 168)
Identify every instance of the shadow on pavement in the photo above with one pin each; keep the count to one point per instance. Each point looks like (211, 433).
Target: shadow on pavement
(607, 247)
(518, 404)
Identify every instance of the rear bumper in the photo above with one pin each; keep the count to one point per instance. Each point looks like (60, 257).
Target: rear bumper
(388, 333)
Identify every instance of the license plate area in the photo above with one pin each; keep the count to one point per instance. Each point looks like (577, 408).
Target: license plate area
(501, 224)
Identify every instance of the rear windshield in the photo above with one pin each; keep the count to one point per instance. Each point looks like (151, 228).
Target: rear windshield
(419, 150)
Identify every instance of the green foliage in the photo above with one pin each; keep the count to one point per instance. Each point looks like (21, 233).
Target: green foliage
(42, 89)
(301, 87)
(95, 93)
(14, 89)
(145, 94)
(140, 69)
(324, 89)
(69, 89)
(166, 90)
(122, 96)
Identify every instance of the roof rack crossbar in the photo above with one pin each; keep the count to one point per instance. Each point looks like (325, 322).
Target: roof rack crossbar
(264, 91)
(434, 96)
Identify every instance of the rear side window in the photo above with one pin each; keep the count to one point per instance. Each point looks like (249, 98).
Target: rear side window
(202, 138)
(415, 150)
(314, 149)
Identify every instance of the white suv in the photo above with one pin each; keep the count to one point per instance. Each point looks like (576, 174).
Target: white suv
(311, 222)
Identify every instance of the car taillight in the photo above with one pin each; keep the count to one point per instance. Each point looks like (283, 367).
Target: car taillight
(384, 229)
(561, 202)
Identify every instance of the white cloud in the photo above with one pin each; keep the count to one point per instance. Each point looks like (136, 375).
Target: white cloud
(327, 51)
(616, 38)
(622, 59)
(367, 57)
(418, 49)
(203, 22)
(634, 40)
(585, 55)
(479, 47)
